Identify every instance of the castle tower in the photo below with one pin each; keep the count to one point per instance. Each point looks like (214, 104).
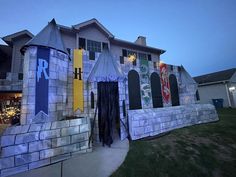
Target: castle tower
(45, 77)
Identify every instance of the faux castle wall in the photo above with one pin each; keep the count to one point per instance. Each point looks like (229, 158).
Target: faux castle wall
(57, 91)
(151, 122)
(186, 91)
(34, 145)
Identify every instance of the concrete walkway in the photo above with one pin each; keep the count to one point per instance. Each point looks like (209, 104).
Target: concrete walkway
(102, 162)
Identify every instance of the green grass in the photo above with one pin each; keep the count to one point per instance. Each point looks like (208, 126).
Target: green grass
(206, 150)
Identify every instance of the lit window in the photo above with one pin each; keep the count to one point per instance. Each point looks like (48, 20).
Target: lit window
(131, 55)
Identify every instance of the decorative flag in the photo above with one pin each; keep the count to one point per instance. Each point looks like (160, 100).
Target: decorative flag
(165, 83)
(145, 83)
(78, 81)
(42, 76)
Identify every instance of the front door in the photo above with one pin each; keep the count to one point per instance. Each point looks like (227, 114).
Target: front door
(108, 111)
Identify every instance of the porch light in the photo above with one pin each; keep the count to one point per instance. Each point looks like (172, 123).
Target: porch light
(231, 89)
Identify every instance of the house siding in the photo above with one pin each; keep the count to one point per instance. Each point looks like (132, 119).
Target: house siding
(209, 92)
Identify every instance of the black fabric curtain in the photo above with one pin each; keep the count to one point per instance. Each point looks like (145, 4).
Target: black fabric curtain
(108, 110)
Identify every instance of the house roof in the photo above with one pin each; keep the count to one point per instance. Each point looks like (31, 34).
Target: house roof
(96, 23)
(53, 37)
(111, 37)
(219, 76)
(49, 36)
(133, 45)
(9, 38)
(106, 69)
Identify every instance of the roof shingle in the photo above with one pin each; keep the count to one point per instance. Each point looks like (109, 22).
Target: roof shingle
(215, 77)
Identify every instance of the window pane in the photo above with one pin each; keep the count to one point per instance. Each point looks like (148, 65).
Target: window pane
(104, 45)
(142, 56)
(82, 43)
(93, 46)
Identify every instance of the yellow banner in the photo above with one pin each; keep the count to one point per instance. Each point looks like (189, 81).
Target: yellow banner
(78, 81)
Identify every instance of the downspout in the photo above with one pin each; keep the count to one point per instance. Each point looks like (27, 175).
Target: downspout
(227, 92)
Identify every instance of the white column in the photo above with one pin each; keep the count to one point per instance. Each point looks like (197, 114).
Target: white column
(227, 92)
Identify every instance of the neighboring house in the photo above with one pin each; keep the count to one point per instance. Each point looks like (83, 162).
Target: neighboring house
(11, 64)
(218, 85)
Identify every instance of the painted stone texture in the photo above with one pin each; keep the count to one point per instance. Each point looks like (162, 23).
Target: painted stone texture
(31, 146)
(151, 122)
(58, 87)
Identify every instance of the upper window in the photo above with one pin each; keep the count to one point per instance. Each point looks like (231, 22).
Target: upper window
(142, 56)
(82, 43)
(93, 46)
(104, 45)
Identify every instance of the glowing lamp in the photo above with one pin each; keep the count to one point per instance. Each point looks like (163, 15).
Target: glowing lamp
(231, 89)
(131, 58)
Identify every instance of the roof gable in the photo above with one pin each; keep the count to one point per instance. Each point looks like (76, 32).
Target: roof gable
(215, 77)
(9, 38)
(96, 23)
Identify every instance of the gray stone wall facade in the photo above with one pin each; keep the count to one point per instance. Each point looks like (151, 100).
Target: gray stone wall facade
(186, 91)
(58, 87)
(35, 145)
(151, 122)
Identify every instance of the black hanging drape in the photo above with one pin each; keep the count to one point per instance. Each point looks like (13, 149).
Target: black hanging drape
(108, 110)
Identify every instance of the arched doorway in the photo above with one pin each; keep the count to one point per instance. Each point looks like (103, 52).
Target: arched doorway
(134, 90)
(156, 91)
(174, 90)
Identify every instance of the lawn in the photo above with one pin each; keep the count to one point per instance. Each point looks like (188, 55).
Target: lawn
(197, 151)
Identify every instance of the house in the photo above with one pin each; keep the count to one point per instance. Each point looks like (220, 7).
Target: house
(81, 82)
(11, 71)
(218, 85)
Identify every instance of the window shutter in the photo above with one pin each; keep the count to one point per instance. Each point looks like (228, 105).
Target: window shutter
(149, 57)
(92, 55)
(82, 43)
(124, 53)
(121, 60)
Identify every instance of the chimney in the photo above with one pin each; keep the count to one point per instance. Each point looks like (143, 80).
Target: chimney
(141, 40)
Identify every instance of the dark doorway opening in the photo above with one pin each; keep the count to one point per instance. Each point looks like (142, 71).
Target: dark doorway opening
(156, 91)
(174, 90)
(108, 112)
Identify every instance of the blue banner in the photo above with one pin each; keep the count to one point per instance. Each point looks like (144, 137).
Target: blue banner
(42, 80)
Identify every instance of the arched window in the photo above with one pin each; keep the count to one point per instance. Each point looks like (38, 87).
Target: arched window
(134, 90)
(174, 90)
(92, 100)
(156, 91)
(197, 96)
